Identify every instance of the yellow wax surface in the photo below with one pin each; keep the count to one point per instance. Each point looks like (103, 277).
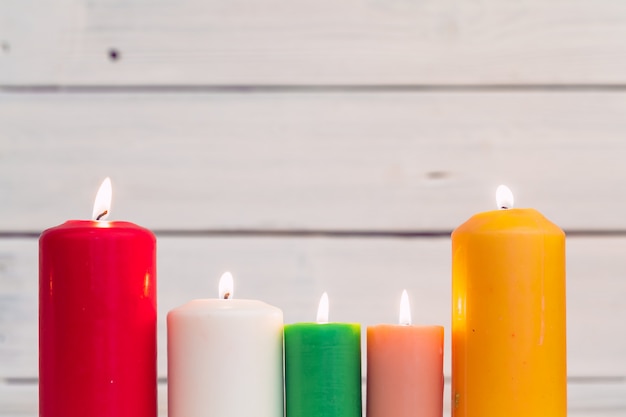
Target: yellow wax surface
(404, 371)
(508, 316)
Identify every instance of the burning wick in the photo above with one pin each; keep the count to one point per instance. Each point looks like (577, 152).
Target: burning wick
(101, 215)
(102, 205)
(504, 198)
(226, 286)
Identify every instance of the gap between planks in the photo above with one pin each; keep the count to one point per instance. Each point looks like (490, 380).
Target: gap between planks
(311, 88)
(163, 380)
(326, 233)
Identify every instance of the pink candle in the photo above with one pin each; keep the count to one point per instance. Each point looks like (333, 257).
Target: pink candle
(404, 368)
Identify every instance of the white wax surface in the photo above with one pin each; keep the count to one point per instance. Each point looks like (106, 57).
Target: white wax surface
(225, 359)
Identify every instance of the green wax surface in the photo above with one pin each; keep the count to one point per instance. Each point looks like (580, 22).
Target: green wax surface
(323, 370)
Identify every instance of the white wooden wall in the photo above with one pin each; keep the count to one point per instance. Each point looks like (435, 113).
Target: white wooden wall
(317, 145)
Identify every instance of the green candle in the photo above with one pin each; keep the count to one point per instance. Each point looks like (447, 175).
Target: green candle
(323, 368)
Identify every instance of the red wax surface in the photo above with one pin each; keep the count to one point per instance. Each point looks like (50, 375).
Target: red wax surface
(97, 320)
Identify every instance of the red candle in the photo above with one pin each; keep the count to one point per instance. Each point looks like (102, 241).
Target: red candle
(97, 319)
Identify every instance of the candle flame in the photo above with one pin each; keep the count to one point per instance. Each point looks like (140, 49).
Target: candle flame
(226, 286)
(322, 310)
(504, 197)
(405, 309)
(102, 205)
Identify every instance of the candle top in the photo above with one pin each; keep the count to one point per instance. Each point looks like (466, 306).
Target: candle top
(226, 304)
(329, 325)
(86, 227)
(425, 327)
(521, 221)
(506, 219)
(224, 307)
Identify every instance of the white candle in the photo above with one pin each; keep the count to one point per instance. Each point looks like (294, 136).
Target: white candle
(225, 357)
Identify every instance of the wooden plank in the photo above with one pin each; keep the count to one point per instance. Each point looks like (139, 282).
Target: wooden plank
(387, 161)
(364, 279)
(356, 42)
(584, 400)
(21, 400)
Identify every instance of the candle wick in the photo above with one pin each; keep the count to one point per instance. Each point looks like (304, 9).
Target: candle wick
(226, 295)
(101, 215)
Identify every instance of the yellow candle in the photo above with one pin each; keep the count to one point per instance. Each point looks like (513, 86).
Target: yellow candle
(508, 315)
